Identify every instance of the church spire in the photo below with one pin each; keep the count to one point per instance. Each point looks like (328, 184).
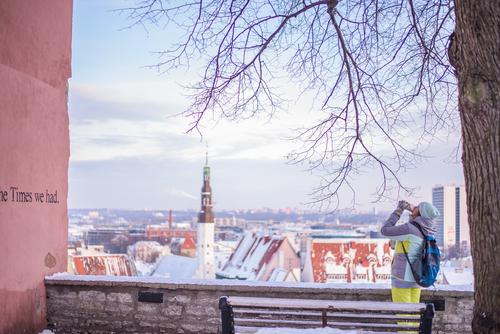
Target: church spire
(205, 247)
(206, 214)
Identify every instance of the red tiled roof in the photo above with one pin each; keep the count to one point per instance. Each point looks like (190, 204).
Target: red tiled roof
(188, 243)
(359, 254)
(114, 264)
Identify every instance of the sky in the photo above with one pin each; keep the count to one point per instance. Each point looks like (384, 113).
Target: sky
(128, 150)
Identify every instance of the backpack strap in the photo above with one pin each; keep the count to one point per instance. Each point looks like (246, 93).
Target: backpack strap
(402, 244)
(417, 225)
(416, 275)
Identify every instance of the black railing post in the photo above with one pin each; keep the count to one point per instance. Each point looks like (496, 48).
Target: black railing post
(226, 313)
(426, 327)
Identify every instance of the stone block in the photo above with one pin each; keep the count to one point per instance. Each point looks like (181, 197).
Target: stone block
(172, 310)
(453, 318)
(149, 308)
(66, 294)
(167, 325)
(203, 310)
(92, 296)
(146, 324)
(129, 327)
(72, 313)
(65, 322)
(454, 328)
(120, 297)
(60, 302)
(151, 318)
(119, 309)
(191, 328)
(89, 306)
(100, 323)
(465, 305)
(180, 298)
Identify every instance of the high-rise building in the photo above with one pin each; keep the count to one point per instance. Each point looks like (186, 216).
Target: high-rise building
(452, 224)
(205, 244)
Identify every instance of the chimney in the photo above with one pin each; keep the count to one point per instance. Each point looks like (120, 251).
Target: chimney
(170, 220)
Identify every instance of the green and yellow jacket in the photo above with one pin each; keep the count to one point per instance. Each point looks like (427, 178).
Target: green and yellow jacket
(413, 241)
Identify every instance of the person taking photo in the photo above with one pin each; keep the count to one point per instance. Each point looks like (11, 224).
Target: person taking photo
(404, 289)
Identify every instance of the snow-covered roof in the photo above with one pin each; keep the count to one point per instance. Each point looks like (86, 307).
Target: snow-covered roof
(277, 275)
(335, 269)
(251, 255)
(384, 270)
(176, 266)
(150, 244)
(462, 277)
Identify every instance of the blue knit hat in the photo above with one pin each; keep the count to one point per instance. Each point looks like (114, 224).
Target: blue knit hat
(427, 210)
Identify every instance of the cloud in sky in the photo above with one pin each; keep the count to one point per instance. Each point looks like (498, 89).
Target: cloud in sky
(180, 193)
(128, 151)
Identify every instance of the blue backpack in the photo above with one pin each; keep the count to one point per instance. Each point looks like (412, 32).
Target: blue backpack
(425, 269)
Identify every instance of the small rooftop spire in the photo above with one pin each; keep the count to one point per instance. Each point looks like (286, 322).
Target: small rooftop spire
(207, 155)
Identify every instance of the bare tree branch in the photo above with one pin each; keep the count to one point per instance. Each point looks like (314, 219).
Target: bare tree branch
(376, 69)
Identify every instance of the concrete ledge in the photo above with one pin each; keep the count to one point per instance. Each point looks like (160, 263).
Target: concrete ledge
(109, 304)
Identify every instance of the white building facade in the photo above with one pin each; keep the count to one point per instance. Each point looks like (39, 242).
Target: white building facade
(452, 223)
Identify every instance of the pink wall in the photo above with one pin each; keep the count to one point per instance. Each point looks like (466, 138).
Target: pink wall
(289, 254)
(35, 63)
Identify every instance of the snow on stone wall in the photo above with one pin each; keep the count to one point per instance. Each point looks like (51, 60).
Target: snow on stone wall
(111, 304)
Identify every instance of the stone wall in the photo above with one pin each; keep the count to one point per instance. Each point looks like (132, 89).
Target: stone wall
(93, 304)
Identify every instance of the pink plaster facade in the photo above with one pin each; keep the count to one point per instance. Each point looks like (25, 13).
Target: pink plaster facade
(285, 257)
(35, 64)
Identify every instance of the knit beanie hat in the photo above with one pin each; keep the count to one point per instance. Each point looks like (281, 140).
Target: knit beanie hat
(427, 210)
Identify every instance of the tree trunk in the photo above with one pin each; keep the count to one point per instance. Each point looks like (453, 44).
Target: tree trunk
(475, 54)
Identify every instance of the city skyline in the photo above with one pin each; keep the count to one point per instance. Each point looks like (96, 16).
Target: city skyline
(128, 152)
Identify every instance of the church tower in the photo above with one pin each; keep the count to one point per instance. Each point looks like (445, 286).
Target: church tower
(205, 247)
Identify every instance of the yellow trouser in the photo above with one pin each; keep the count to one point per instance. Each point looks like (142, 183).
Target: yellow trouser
(410, 295)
